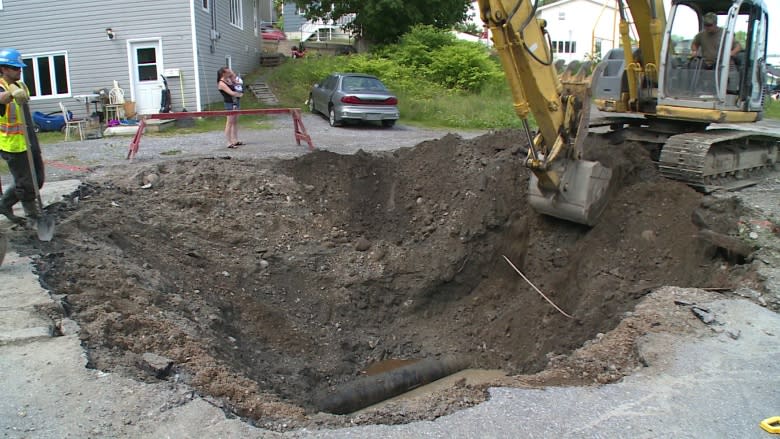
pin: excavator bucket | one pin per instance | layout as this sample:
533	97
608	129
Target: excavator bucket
576	77
581	196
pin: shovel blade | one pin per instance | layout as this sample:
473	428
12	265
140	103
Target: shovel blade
45	228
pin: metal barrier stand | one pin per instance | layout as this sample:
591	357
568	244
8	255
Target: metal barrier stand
299	134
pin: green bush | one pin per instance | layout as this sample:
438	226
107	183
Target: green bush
463	66
438	57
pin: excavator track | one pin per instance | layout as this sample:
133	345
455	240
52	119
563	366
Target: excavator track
719	159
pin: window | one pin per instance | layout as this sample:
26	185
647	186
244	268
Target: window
47	75
205	4
147	63
564	46
236	13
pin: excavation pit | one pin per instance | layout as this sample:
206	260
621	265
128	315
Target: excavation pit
269	283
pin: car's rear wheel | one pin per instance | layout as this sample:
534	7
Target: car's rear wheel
332	117
388	123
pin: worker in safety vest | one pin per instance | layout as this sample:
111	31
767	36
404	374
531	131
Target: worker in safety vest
13	146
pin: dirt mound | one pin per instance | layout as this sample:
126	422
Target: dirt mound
269	281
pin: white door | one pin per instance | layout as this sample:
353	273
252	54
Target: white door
147	84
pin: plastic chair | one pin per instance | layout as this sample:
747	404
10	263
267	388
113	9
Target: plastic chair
71	123
116	104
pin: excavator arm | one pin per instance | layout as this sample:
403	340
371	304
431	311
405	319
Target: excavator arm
649	20
562	185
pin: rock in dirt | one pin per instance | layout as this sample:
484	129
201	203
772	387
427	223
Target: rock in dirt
735	249
703	314
158	365
362	244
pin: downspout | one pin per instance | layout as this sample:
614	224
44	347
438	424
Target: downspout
195	60
213	34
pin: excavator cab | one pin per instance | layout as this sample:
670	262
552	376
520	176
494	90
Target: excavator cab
713	61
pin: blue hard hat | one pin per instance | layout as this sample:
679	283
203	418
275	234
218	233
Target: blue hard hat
11	57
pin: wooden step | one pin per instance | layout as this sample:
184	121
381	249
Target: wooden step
263	93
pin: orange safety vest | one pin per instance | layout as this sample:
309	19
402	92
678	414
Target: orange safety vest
11	134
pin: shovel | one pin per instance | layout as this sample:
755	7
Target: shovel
3	238
45	224
3	246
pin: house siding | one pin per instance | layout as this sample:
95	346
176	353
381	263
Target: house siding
239	45
292	21
94	61
267	11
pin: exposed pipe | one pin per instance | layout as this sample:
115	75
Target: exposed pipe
370	390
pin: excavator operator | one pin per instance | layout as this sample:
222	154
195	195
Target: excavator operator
706	42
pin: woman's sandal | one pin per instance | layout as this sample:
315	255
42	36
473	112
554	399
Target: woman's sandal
239	143
232	146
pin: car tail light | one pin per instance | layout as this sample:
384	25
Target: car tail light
357	101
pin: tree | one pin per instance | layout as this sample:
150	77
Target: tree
384	21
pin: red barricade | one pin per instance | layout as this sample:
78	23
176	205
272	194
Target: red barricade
300	130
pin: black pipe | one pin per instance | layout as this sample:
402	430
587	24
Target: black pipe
369	390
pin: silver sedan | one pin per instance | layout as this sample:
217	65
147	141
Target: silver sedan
354	97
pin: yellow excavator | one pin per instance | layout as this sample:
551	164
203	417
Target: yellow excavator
666	86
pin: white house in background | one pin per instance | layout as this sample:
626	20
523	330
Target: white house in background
472	17
579	28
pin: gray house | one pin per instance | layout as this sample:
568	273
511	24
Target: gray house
74	48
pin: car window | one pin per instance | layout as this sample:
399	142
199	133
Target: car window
351	83
373	84
329	83
360	83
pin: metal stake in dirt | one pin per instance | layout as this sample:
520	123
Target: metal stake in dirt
45	223
3	246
